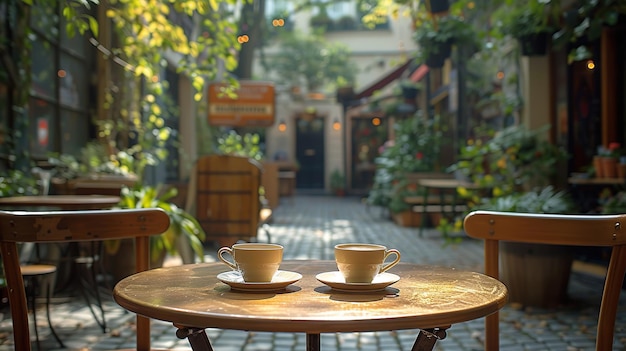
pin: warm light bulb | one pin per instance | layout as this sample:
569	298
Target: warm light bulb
376	121
282	127
336	125
591	65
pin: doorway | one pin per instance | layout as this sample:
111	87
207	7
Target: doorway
310	153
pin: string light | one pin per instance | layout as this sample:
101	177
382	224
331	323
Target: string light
243	39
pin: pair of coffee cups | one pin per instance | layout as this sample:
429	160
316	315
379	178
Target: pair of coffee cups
357	262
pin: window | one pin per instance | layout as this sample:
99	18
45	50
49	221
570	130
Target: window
61	75
274	7
341	9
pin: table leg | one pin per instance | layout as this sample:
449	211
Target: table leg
312	342
424	211
197	337
427	338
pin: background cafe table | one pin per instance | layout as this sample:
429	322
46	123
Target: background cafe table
63	202
443	187
427	298
65	256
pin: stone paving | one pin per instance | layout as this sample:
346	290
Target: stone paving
309	227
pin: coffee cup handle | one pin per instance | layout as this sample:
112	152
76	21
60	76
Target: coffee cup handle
385	267
220	255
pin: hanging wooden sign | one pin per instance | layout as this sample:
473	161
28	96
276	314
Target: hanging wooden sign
254	105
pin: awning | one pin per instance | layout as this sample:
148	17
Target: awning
419	73
416	76
384	81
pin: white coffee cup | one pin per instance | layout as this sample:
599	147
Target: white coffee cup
360	263
255	261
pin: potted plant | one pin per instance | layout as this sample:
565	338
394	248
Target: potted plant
608	159
416	148
184	236
509	161
401	211
93	165
17	183
436	36
410	89
322	21
613	203
583	23
529	23
524	265
338	182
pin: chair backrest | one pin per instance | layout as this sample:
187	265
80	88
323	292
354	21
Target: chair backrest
574	230
73	226
225	192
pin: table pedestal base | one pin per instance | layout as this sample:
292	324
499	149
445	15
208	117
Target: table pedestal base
313	342
427	338
197	337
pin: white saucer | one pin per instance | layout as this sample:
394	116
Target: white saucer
336	281
280	280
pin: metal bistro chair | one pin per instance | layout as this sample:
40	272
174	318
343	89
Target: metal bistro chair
68	226
574	230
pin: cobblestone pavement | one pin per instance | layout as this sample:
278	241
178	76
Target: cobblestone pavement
309	227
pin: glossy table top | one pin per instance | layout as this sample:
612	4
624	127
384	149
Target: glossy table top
424	297
63	202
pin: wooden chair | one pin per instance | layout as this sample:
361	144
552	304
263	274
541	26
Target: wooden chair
574	230
224	197
69	226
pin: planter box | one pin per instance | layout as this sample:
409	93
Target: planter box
435	218
407	218
536	275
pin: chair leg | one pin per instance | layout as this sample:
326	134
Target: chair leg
31	295
54	333
266	229
93	284
32	290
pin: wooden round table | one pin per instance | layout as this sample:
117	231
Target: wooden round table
426	297
63	202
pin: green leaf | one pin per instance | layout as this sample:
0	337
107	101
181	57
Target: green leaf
93	25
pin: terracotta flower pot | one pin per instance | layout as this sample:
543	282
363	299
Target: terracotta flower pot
407	218
597	165
546	268
621	170
609	167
